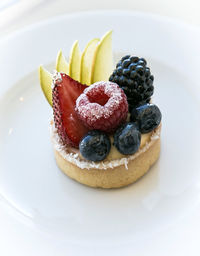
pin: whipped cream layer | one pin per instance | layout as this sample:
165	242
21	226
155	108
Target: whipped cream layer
73	155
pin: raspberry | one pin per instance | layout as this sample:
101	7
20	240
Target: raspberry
102	106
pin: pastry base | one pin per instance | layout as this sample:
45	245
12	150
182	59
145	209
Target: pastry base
116	177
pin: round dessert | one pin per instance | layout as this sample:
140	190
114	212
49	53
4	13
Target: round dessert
107	133
116	170
96	142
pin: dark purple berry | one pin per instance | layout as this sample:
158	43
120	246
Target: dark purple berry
147	116
127	139
132	72
95	146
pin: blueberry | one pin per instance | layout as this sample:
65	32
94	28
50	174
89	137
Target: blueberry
95	146
127	139
147	116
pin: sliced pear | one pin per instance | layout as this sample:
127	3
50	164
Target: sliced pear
103	60
46	82
61	63
75	62
86	61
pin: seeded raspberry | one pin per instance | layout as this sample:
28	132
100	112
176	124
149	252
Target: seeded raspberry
102	106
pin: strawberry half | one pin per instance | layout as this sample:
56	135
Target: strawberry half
65	92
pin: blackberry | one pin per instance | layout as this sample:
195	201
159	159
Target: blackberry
134	77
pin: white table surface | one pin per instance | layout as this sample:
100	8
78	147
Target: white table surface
15	14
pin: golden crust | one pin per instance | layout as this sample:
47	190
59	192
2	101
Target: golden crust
116	177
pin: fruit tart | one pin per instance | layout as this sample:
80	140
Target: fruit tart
105	130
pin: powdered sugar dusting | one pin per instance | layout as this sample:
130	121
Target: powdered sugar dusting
91	111
57	78
72	154
112	90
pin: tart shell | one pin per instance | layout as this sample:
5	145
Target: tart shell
120	174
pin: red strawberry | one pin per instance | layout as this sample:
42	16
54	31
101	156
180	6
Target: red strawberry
65	92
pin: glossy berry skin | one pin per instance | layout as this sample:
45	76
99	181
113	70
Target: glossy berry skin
95	146
147	116
134	77
127	139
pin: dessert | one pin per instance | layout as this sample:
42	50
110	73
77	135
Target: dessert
105	129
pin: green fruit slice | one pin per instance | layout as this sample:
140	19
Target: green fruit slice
75	62
87	60
61	63
45	83
103	60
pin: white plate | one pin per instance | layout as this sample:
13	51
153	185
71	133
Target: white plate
43	212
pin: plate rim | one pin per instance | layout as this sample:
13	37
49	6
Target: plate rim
82	14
